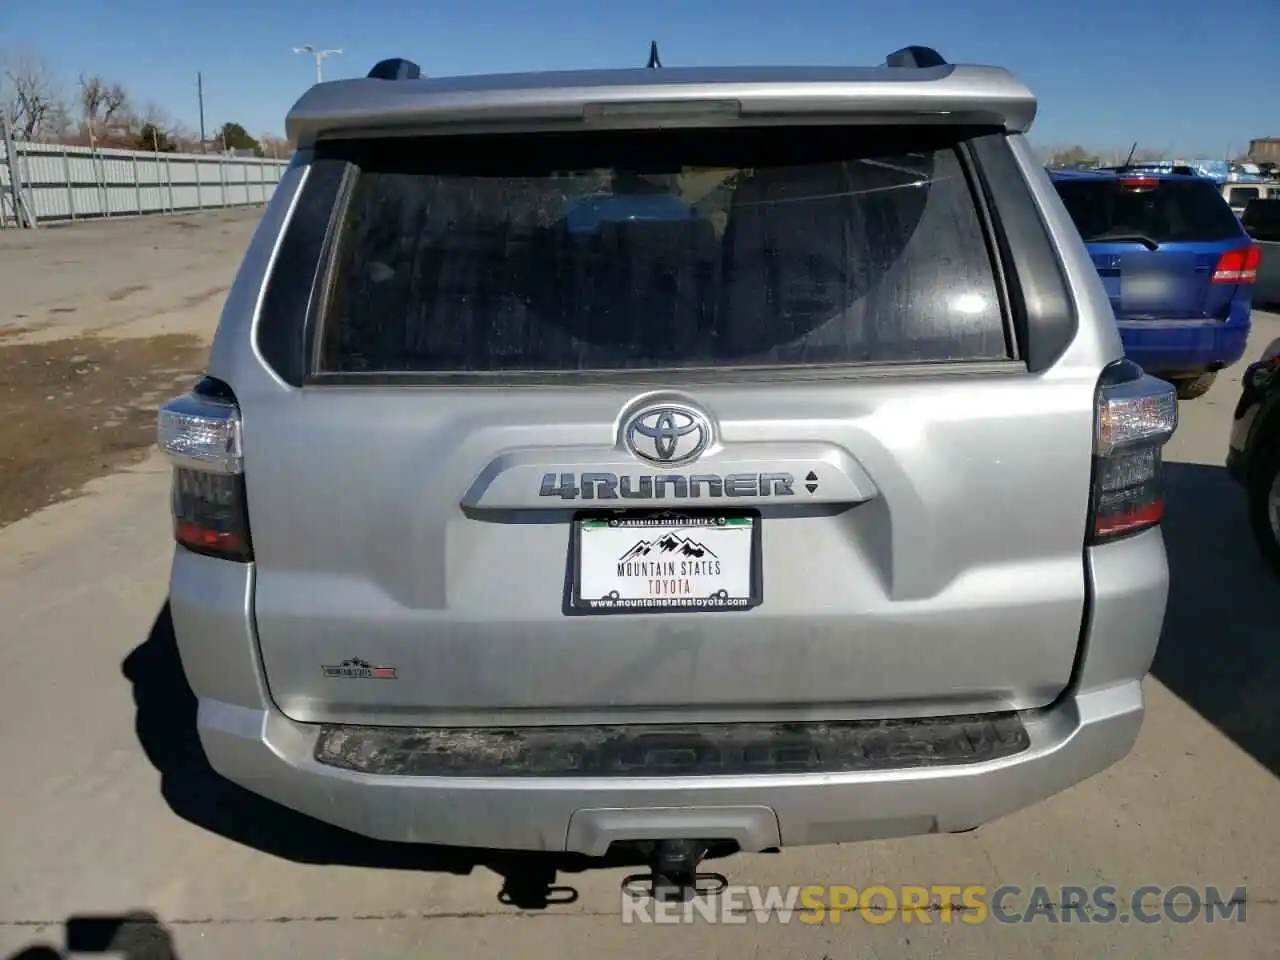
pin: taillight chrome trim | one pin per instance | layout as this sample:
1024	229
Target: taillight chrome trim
201	432
1134	413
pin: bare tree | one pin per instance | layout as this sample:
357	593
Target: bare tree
152	117
103	104
155	115
154	128
29	94
1072	156
275	146
1140	155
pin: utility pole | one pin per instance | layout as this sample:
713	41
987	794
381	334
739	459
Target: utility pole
200	94
320	56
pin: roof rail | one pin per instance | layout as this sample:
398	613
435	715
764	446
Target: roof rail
395	68
916	57
654	63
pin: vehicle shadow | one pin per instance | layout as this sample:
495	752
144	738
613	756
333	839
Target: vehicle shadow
165	725
1220	648
134	936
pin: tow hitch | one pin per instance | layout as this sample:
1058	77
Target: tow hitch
675	868
674	875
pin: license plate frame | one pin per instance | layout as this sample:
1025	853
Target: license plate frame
692	520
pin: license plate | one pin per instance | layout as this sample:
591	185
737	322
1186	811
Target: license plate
667	562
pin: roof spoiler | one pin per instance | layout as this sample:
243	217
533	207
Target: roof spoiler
914	85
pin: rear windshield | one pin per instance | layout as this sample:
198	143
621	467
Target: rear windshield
679	248
1173	211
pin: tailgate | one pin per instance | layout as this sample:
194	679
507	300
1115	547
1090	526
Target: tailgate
579	446
1168	283
1156	243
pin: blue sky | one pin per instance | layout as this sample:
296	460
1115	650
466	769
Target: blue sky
1176	74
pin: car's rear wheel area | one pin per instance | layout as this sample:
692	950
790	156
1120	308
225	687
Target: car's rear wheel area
1264	504
1192	388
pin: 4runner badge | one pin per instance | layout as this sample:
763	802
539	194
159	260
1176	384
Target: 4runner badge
357	669
672	486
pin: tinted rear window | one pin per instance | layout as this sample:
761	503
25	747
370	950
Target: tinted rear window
1175	211
1239	196
616	251
1261	219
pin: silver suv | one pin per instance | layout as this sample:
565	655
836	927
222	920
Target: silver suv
669	456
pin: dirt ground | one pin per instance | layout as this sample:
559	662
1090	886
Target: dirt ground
82	407
99	324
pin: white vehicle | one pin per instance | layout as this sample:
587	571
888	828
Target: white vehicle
1238	194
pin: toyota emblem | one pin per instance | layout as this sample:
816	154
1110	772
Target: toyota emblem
667	434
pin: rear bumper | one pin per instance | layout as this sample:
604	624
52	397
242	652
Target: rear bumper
1184	346
247	740
271	755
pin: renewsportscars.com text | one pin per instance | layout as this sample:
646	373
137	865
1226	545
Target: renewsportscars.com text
947	904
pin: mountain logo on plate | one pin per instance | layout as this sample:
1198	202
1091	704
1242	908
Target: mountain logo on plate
357	669
668	543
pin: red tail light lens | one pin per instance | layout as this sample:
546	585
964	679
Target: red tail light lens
1135	415
209	515
1238	266
200	433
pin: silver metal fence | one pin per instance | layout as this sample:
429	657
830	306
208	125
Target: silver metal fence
49	182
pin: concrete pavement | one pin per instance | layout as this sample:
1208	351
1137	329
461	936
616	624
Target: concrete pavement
109	811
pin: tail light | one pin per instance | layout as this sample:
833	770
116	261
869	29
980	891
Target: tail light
200	433
1238	266
1135	415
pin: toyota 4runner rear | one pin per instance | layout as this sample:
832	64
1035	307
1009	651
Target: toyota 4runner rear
674	456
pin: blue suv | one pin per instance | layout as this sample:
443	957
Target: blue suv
1176	262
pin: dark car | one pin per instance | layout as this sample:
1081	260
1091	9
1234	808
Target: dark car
1254	454
1177	264
1261	219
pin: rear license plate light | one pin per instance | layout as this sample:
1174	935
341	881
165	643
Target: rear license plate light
665	562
